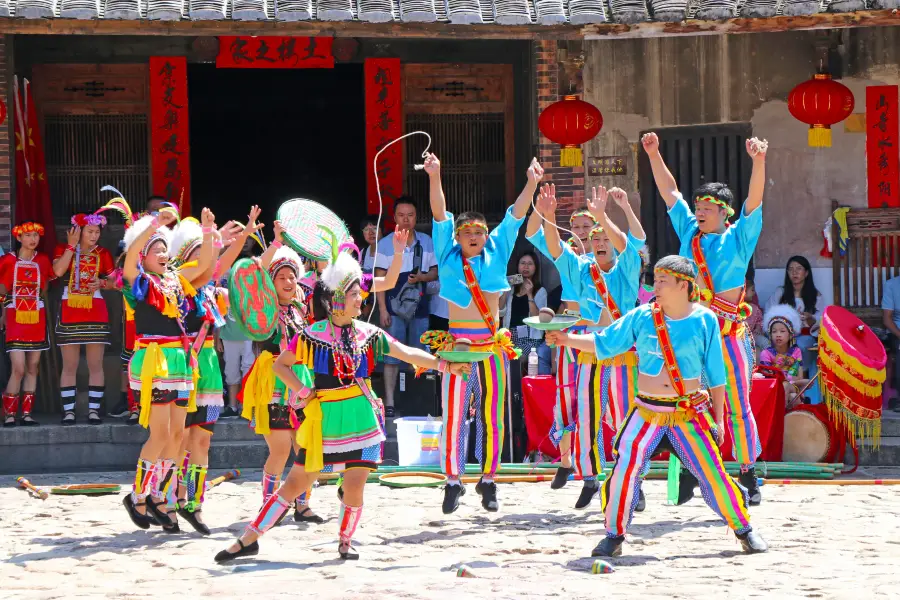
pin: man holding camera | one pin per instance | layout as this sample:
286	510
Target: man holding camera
404	309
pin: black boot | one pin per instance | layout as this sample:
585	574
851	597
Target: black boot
752	542
748	480
641	503
609	546
561	478
488	493
588	492
686	484
452	494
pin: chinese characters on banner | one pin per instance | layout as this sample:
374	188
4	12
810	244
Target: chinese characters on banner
247	52
170	147
383	125
882	151
607	165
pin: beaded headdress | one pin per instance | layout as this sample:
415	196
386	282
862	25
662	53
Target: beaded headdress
186	237
595	233
285	257
28	227
163	234
340	274
785	314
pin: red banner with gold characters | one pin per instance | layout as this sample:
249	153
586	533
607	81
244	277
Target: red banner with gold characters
882	150
384	123
170	146
246	52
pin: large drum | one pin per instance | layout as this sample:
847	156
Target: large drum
810	436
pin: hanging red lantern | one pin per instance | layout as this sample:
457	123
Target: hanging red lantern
820	103
570	122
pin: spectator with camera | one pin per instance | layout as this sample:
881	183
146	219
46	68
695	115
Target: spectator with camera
526	299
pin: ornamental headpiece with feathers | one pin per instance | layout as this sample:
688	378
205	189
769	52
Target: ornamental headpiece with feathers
186	237
132	231
286	257
785	314
163	234
343	270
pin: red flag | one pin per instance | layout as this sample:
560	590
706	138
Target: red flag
42	209
24	194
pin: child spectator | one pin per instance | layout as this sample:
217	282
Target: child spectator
782	324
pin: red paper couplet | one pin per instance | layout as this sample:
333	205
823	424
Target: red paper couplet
245	52
882	151
169	130
384	123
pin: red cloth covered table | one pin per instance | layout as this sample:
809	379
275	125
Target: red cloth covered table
766	402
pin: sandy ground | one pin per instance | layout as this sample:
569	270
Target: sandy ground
826	542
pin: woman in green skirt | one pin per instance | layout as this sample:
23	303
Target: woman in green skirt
327	367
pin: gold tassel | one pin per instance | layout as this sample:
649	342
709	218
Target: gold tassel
857	428
80	301
626	359
27	317
819	137
666	419
570	157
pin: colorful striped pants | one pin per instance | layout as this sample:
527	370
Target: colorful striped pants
565	410
739	358
694	442
486	390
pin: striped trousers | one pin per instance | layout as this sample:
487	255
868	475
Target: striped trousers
565	410
739	358
484	394
694	442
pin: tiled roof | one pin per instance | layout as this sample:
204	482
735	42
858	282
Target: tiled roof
454	12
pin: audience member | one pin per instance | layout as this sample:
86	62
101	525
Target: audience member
525	300
799	290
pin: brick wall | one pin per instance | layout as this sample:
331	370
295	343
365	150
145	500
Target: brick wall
569	181
6	150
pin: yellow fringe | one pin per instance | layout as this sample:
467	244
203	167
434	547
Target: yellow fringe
309	436
27	317
80	301
849	376
258	392
853	365
666	419
626	359
570	157
819	137
858	428
154	365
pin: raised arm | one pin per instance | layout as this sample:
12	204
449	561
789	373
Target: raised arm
665	183
420	358
266	259
435	189
131	268
195	274
61	264
546	205
535	174
388	278
226	260
597	205
634	223
756	148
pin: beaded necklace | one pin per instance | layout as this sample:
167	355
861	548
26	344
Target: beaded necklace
347	356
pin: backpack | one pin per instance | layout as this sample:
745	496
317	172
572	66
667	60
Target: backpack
406	302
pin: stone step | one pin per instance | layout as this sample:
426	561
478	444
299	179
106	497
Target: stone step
887	454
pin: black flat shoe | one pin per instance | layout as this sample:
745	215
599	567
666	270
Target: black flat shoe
191	517
609	546
488	493
161	517
641	503
10	421
139	520
300	516
753	543
225	555
686	484
68	418
28	421
94	418
561	478
588	492
452	494
349	554
133	419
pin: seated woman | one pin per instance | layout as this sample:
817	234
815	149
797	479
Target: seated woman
799	290
525	300
326	368
781	323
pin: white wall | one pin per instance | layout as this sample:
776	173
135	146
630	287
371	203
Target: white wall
769	279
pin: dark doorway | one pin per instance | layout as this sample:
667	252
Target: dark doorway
695	155
263	136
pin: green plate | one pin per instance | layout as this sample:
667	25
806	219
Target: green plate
558	323
464	357
412	479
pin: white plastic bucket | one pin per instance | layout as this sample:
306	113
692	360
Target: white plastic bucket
418	441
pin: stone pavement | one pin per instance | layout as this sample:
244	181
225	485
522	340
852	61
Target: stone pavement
826	542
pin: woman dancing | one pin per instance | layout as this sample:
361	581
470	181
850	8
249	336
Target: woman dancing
161	371
327	367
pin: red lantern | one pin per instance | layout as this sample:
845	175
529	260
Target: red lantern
820	103
570	122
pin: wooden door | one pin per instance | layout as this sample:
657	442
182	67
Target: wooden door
468	111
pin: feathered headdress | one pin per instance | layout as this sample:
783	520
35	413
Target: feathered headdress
186	237
285	257
342	271
142	225
785	314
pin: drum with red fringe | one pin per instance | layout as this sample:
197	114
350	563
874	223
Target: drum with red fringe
852	371
810	435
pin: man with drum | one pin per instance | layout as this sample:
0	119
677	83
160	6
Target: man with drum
722	252
677	340
472	272
604	282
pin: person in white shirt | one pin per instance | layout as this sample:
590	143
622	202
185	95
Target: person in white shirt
404	312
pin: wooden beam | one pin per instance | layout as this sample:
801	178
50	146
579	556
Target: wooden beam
298	28
692	27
